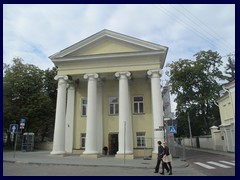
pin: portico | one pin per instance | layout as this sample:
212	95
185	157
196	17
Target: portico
109	84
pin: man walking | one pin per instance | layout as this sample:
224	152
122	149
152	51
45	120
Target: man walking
160	155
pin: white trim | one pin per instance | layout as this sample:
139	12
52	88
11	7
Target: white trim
108	55
81	138
138	113
110	34
142	138
82	99
98	67
114	106
225	125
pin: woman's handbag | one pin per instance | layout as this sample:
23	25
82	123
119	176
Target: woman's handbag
167	159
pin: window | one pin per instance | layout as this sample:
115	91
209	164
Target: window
83	140
84	106
141	140
113	105
138	104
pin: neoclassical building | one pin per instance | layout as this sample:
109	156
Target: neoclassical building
109	95
224	135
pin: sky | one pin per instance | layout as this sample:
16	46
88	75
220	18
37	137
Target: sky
33	32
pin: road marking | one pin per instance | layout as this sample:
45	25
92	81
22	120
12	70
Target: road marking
204	165
218	164
229	163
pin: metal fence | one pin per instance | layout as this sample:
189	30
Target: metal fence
176	146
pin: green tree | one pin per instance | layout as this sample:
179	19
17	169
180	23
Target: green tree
27	95
230	68
196	86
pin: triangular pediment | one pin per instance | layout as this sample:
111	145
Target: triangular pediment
107	45
107	42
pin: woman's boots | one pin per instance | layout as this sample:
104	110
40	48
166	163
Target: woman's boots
169	169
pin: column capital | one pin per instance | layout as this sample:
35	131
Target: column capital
71	86
123	74
155	73
64	77
91	76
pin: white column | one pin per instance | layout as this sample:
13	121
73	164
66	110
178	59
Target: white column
91	130
124	115
69	118
157	107
59	129
100	119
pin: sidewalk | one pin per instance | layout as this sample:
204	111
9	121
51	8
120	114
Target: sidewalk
44	157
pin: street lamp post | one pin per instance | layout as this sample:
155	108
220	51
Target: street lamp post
189	125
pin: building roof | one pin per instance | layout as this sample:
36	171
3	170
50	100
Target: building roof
78	51
230	84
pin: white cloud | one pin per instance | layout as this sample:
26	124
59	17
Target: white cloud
51	28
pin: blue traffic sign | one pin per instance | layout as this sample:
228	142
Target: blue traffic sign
22	121
172	129
13	128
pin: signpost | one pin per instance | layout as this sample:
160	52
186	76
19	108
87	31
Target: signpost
172	129
22	123
13	128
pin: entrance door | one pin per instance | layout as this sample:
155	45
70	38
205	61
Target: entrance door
113	143
229	140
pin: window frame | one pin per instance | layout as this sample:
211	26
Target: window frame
142	139
115	109
138	105
83	138
83	105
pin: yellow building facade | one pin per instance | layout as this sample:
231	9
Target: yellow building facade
227	114
109	95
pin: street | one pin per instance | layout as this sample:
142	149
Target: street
211	164
41	163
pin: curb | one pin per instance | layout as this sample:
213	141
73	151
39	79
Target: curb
93	165
88	165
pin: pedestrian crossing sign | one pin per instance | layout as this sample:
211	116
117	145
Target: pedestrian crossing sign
173	129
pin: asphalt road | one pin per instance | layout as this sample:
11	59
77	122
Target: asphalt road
211	164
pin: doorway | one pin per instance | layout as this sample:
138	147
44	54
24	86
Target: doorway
113	143
229	140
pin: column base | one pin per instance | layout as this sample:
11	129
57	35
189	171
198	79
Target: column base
127	156
58	153
154	156
89	155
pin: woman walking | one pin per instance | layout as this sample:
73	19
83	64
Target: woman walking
167	159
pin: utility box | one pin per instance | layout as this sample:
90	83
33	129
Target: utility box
28	141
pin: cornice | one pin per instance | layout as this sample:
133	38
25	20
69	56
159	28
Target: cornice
105	56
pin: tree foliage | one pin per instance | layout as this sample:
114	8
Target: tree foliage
196	85
29	93
230	68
